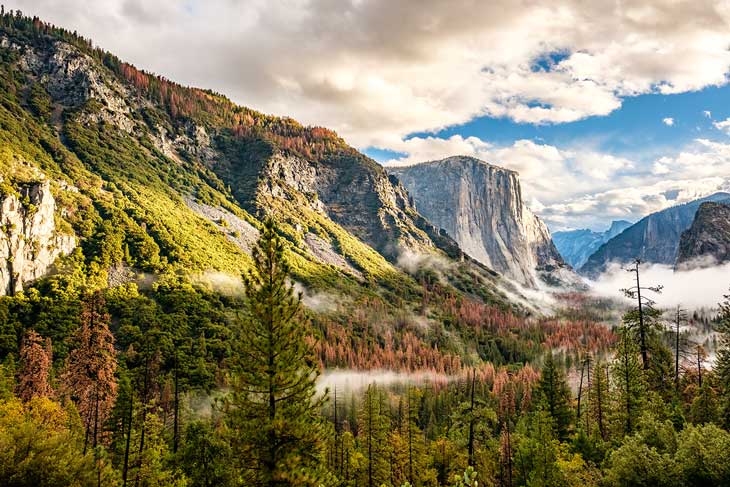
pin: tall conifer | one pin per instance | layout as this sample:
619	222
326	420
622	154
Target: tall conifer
273	412
89	378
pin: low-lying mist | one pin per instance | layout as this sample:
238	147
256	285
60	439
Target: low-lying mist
692	289
356	380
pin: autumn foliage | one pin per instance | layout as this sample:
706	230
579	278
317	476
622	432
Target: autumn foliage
35	367
89	375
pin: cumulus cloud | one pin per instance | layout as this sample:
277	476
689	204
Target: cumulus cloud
576	188
669	121
723	125
378	70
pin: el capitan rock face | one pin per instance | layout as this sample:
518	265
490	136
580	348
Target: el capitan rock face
480	206
707	240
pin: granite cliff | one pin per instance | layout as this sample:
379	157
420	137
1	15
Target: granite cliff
707	241
480	206
653	239
29	242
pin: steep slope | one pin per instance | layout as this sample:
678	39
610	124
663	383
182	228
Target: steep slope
160	144
707	241
481	207
653	239
577	245
162	190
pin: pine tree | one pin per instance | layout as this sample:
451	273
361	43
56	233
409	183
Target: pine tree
538	451
628	380
272	412
722	363
151	468
89	378
35	367
704	406
554	397
599	400
373	437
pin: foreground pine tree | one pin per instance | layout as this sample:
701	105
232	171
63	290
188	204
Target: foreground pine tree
554	397
272	413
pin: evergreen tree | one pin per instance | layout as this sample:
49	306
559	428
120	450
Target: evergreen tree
628	381
599	400
554	397
722	362
152	465
35	367
205	456
537	452
373	438
272	413
89	378
704	407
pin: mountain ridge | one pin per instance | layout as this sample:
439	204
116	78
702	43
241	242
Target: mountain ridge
576	246
164	189
653	239
707	241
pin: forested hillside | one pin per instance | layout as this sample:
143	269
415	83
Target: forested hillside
180	270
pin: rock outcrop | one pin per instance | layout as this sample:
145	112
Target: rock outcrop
29	242
577	245
653	239
707	241
480	206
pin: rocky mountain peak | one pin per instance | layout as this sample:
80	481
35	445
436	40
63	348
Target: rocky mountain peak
480	205
707	240
653	239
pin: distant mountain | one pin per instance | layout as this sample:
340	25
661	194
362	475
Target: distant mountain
654	238
480	206
577	245
707	241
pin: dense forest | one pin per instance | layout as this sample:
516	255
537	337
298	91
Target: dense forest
132	414
164	378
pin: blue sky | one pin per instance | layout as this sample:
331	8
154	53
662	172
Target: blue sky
571	94
635	130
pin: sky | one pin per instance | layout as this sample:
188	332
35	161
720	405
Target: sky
608	110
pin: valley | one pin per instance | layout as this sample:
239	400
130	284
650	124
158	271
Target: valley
187	283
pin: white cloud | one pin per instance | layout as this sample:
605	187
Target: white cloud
668	121
573	188
378	70
723	125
